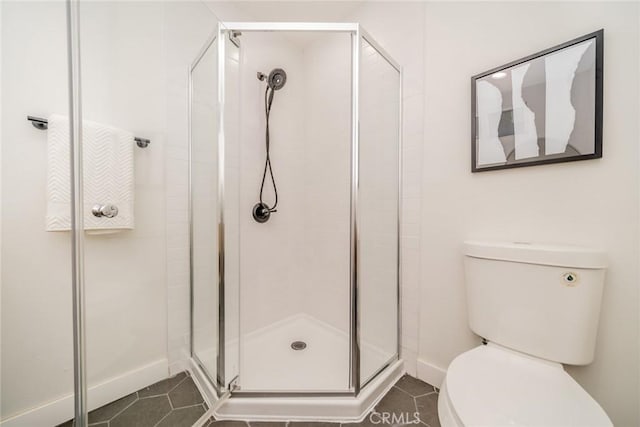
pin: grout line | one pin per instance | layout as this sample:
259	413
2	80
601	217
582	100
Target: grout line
166	379
125	408
426	394
408	394
160	420
188	406
174	387
153	395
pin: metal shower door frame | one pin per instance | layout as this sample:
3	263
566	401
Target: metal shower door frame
81	417
357	34
215	381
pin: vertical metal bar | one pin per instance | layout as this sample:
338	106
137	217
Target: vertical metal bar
190	207
355	135
399	230
221	241
77	211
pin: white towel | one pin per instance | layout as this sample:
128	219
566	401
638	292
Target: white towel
108	175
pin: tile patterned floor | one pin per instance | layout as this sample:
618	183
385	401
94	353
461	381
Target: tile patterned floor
176	402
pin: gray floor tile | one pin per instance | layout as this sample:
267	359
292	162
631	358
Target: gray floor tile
106	424
183	417
396	402
428	408
413	386
162	387
143	413
106	412
66	424
185	394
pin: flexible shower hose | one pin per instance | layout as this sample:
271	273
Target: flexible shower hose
268	100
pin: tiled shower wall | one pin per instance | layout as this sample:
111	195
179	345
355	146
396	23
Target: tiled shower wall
271	263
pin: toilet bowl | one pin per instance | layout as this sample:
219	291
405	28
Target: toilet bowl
494	386
537	307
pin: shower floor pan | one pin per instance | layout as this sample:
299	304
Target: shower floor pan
269	364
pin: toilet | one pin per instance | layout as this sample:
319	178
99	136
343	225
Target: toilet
536	308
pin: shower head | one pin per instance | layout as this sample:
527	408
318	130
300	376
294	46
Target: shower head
277	78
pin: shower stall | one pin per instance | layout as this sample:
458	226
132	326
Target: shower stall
138	279
294	307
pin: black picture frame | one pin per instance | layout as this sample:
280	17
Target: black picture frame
598	36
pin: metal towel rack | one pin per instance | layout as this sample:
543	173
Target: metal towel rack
43	124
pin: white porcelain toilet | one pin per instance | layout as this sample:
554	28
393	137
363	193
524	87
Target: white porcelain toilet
537	307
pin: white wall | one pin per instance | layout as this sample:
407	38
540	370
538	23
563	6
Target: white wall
123	84
592	203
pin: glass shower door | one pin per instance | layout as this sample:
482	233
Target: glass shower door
213	206
378	209
36	329
205	218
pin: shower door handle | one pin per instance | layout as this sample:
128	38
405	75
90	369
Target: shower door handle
106	211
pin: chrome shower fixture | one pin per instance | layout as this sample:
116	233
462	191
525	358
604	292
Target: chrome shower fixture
276	78
262	212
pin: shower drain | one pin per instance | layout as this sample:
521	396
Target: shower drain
298	345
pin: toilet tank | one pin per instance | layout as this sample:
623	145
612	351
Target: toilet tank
543	300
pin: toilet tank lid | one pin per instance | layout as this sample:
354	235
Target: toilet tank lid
536	253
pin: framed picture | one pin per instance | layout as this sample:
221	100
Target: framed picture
545	108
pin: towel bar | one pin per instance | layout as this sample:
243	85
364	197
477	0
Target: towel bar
43	124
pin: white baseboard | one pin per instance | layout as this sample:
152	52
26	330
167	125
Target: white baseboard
61	410
178	366
430	373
